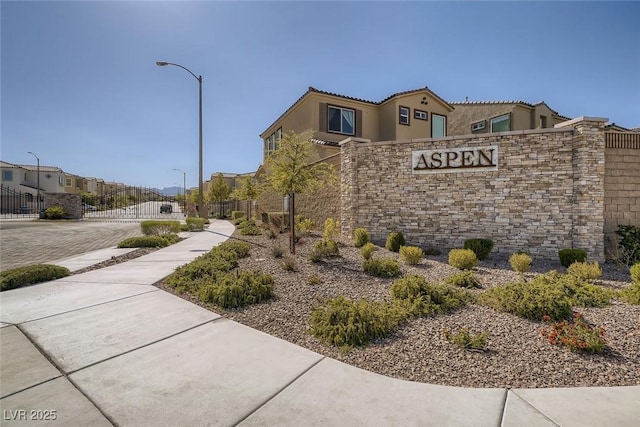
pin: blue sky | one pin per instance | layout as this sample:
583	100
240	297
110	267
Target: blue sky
80	87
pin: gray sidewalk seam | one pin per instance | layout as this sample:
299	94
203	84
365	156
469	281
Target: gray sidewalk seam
269	399
147	345
89	306
504	407
535	409
62	375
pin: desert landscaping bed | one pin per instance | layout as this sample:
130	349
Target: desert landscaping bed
517	356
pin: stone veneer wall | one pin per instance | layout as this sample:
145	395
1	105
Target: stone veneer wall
318	206
547	194
70	202
621	185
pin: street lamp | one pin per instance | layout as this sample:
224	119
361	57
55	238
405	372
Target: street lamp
38	160
184	190
201	208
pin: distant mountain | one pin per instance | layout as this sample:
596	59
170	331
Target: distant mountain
171	191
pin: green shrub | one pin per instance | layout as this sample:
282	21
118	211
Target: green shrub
464	279
411	254
240	249
343	322
324	249
463	338
55	212
530	300
289	264
31	274
237	215
481	247
585	270
331	230
238	289
634	271
432	251
569	256
381	267
360	237
304	226
394	241
520	262
629	243
631	294
579	292
420	298
367	250
155	227
184	227
577	335
250	230
462	259
195	224
144	242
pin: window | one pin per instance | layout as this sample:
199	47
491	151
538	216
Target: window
67	182
501	123
543	122
420	115
404	115
341	120
438	126
272	142
478	126
7	175
60	180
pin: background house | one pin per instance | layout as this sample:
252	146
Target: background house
476	117
416	113
24	178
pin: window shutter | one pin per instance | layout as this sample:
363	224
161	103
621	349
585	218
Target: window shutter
322	122
359	123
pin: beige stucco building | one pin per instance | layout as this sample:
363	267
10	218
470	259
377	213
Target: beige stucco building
478	117
418	113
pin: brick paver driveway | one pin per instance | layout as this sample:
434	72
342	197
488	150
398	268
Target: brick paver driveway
24	242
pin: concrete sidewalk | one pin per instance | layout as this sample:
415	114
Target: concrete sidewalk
107	348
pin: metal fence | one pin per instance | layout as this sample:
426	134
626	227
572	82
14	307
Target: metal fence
16	203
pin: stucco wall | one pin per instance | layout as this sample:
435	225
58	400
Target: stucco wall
547	194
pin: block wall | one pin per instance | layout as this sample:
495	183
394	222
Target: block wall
547	194
621	186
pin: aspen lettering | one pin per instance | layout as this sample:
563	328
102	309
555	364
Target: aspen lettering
462	158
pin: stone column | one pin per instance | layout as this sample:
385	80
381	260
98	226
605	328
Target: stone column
588	185
349	186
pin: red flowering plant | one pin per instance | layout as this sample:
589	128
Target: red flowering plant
577	335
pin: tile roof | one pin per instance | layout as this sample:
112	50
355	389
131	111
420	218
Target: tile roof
518	102
351	98
43	168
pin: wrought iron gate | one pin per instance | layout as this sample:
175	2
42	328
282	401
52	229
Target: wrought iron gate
130	202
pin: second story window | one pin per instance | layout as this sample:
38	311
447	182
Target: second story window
438	126
272	143
420	115
404	115
7	175
501	123
341	120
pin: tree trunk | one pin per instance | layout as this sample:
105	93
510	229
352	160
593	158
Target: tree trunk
292	224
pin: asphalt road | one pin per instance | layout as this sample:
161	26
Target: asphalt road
25	242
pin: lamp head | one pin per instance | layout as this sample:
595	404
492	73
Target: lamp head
161	63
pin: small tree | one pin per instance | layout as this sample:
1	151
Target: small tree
290	171
219	190
248	190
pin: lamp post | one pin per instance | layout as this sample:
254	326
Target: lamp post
38	179
184	190
201	208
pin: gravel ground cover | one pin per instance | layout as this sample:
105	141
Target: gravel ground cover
517	355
